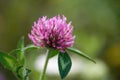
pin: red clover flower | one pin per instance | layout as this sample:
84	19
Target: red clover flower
52	32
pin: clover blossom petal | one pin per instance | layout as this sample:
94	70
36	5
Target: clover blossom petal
53	32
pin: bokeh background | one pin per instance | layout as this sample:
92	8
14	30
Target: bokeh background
96	26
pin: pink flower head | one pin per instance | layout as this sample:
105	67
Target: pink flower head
53	33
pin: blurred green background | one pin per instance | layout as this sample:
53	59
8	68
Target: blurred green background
96	26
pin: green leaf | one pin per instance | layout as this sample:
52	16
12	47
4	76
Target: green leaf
21	43
22	72
26	74
20	55
8	61
52	53
64	64
80	53
19	71
30	47
15	51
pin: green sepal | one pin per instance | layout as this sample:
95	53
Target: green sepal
53	52
81	54
8	61
64	64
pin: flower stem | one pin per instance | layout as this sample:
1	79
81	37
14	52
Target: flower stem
45	66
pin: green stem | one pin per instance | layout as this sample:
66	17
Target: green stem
45	66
